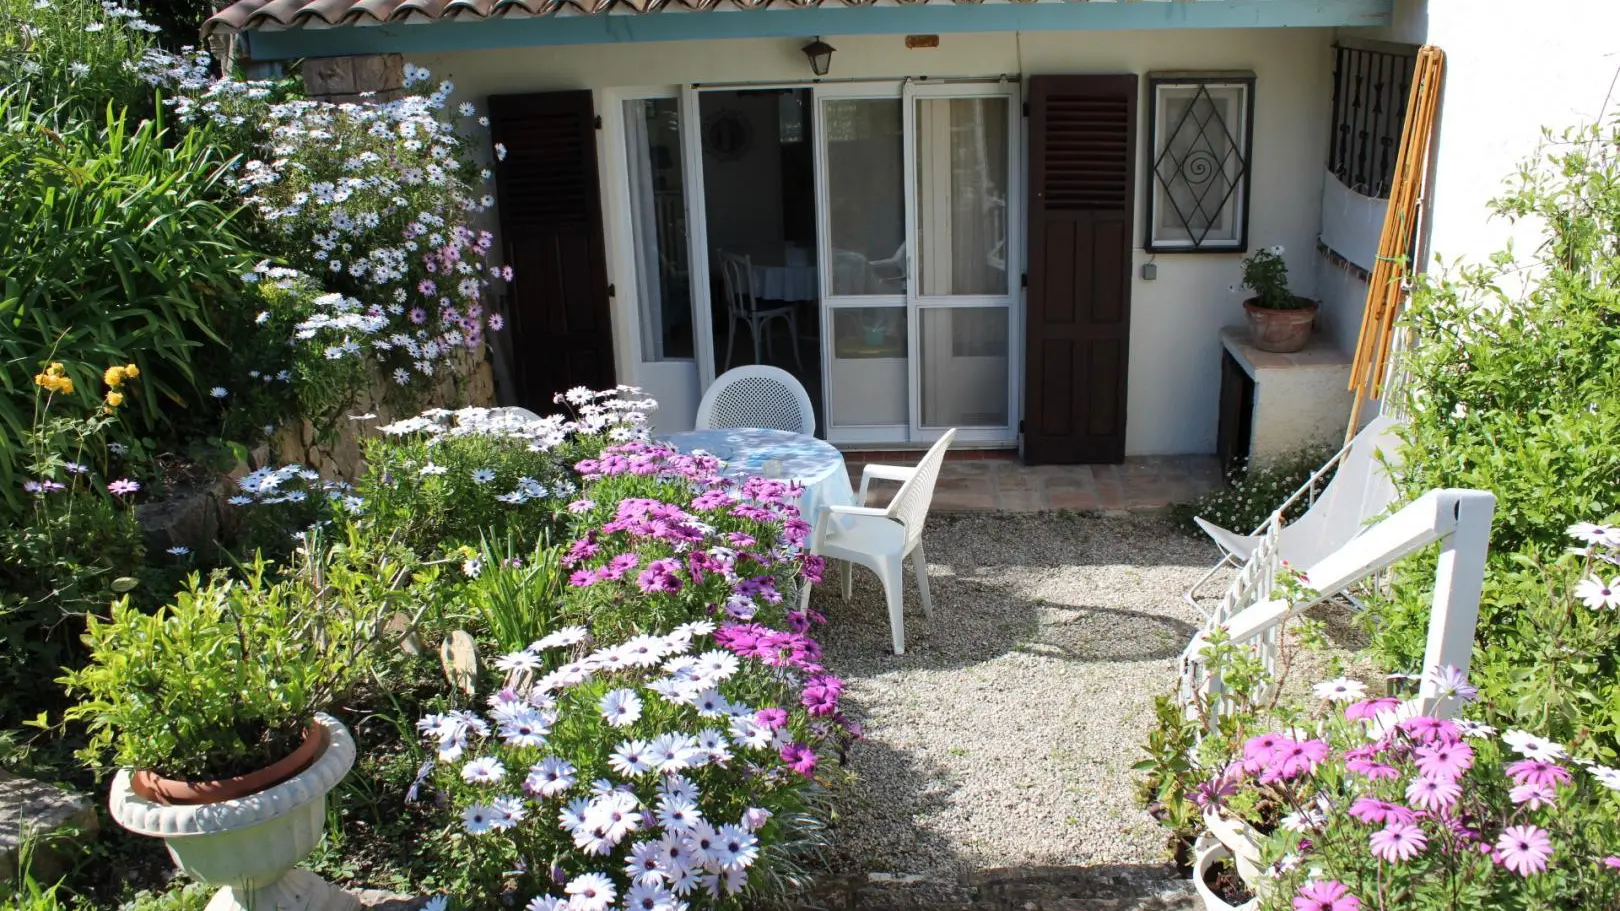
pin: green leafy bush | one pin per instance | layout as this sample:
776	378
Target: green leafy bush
1515	388
444	480
1253	492
118	251
225	679
74	58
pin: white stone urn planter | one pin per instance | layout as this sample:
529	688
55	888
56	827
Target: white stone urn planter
1207	853
1242	842
251	847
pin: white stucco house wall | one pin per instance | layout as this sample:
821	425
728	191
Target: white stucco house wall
991	216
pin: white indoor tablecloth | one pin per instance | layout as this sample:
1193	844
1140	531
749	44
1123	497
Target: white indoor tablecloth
815	464
783	283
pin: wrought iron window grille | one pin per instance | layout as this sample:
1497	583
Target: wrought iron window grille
1200	164
1370	91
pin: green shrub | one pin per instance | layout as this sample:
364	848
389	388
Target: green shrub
74	58
436	487
1253	493
224	680
1515	388
118	252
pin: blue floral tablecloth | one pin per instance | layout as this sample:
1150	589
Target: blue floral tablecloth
748	451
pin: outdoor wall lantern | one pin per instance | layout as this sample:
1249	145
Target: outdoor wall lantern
820	54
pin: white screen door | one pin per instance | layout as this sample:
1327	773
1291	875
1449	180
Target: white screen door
861	212
962	222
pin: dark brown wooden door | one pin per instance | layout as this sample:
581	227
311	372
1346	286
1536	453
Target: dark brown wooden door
551	228
1082	162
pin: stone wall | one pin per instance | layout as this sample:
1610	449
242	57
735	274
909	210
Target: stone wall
338	456
374	77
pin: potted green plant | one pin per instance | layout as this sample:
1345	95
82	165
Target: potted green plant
1279	319
211	708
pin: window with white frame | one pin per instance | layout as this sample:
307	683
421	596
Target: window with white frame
1200	135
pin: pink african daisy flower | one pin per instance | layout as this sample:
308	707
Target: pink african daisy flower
1534	771
1533	795
1259	751
1428	729
1432	793
1370	708
1612	862
1325	895
1398	841
1373	811
1524	849
1368	768
1447	761
1294	759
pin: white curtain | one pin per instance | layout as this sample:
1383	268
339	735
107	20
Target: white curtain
962	195
644	217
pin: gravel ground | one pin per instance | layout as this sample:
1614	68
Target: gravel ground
1005	736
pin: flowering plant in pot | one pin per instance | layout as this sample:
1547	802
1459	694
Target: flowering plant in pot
211	707
1279	319
1390	807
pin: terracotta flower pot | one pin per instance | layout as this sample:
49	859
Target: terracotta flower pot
251	846
1280	331
177	792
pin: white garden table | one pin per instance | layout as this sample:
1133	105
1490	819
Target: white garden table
780	454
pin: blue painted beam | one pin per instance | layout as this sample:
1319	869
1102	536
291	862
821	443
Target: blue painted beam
935	18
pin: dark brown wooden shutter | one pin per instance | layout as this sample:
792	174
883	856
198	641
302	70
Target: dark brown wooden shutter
1082	162
551	229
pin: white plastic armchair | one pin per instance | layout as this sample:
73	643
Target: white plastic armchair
1359	491
880	539
757	396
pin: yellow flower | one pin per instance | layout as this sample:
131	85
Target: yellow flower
115	399
41	379
114	376
131	371
64	385
54	368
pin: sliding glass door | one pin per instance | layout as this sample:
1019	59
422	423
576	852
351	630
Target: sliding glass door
862	236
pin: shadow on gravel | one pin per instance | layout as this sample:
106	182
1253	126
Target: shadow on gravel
996	771
1099	887
1059	585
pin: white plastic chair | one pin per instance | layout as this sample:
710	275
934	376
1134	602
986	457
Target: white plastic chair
757	396
737	276
1360	490
881	539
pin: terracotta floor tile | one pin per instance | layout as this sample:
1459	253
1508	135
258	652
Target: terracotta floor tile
1022	501
1073	500
999	483
958	501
